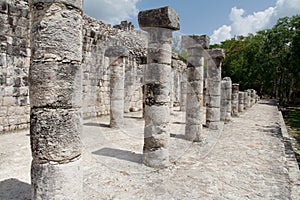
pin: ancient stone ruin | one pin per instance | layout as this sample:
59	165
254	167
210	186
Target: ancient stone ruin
159	23
214	79
73	67
56	99
196	49
117	60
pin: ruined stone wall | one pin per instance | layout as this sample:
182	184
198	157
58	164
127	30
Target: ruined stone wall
14	64
97	36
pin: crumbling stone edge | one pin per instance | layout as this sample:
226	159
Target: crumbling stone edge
291	161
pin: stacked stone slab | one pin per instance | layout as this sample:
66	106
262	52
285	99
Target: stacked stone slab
235	100
253	97
117	56
55	97
247	99
214	88
159	23
226	93
196	46
241	101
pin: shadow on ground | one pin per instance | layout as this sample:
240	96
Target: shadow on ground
178	136
270	102
13	189
120	154
97	125
134	117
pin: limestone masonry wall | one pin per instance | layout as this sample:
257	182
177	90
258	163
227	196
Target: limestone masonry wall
14	65
97	36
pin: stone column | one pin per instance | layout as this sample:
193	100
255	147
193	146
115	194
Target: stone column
247	99
129	82
235	100
252	97
159	23
55	79
226	99
183	91
214	88
172	94
117	59
241	102
196	46
176	87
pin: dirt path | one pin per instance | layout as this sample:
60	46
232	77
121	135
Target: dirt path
246	160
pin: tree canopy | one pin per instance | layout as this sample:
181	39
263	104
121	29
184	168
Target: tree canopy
268	61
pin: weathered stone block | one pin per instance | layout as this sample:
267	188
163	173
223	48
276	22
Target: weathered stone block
116	51
72	3
55	84
156	159
191	41
217	54
194	73
3	111
57	181
54	33
53	142
193	117
157	94
9	101
214	88
193	132
195	88
157	115
164	17
157	73
159	53
213	114
196	60
214	74
214	101
214	125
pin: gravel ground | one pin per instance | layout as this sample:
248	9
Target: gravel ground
250	158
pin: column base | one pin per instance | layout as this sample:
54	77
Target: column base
214	125
193	132
157	159
57	181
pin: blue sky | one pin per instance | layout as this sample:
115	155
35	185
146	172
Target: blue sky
220	19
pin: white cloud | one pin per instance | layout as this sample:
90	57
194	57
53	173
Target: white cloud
221	34
111	11
243	25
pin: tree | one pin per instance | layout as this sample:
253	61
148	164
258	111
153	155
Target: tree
268	61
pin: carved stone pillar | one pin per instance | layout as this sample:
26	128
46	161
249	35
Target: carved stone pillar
241	101
226	94
117	59
55	99
159	23
253	97
247	99
196	46
214	88
235	100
